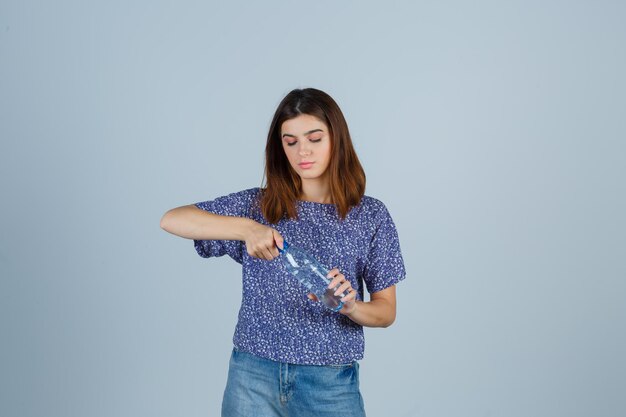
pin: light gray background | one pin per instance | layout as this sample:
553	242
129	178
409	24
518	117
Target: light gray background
493	131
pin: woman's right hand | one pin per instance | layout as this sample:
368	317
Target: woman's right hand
262	241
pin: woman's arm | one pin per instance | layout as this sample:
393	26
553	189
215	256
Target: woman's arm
380	311
193	223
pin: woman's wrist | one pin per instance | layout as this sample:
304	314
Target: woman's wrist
352	310
243	227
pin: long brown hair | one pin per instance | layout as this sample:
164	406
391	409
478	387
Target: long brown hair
284	186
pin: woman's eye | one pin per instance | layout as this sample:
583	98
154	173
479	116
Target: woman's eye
310	140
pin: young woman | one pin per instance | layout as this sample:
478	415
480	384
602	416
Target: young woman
292	356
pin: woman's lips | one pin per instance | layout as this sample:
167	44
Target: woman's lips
306	165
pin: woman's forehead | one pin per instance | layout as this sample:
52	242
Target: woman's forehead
302	124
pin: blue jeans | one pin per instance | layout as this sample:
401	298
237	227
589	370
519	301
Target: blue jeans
259	387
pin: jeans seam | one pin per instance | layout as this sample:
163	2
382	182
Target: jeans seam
340	366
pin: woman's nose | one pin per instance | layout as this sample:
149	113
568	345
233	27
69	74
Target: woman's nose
304	150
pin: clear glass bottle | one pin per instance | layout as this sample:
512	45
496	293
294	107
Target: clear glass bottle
311	274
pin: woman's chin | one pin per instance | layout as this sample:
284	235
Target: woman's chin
309	176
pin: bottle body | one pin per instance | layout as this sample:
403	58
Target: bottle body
311	274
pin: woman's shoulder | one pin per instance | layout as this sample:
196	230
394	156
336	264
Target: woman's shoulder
243	198
370	209
246	194
254	191
372	204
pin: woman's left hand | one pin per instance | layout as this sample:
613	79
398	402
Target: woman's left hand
349	301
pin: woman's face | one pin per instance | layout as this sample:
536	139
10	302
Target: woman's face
306	141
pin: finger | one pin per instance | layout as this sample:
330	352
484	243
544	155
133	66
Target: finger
267	254
258	253
351	296
343	287
312	297
333	272
278	239
338	279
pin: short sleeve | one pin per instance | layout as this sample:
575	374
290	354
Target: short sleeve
237	204
384	266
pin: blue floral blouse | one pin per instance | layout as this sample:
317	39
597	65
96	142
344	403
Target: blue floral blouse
276	319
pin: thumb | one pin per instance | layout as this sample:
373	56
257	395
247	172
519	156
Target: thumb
278	239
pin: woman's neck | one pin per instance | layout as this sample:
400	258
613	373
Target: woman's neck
316	191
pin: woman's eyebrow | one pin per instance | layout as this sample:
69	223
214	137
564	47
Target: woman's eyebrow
305	133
